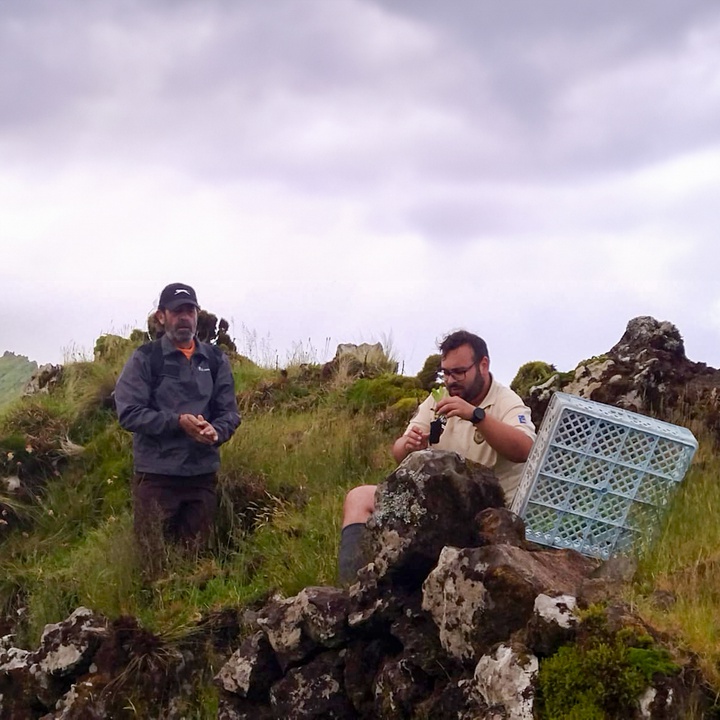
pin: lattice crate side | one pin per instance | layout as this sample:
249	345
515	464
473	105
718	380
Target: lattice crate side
600	539
628	455
536	457
543	451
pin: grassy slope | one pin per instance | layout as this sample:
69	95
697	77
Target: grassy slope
302	444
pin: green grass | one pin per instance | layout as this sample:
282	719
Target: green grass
282	483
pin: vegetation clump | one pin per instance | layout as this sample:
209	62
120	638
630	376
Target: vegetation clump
602	675
382	391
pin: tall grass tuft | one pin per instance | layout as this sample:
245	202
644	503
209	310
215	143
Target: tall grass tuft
678	579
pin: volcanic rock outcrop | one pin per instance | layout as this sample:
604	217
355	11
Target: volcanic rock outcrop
646	371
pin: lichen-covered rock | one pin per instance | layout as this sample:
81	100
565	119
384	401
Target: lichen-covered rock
667	699
430	501
500	526
365	360
296	626
68	645
324	611
314	690
418	637
83	701
370	599
42	678
363	659
506	678
552	624
236	708
12	658
399	687
251	670
458	700
44	379
480	596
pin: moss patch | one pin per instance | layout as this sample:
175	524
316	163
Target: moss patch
601	676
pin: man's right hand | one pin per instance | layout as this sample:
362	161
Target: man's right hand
414	440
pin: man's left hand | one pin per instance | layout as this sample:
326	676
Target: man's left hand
454	406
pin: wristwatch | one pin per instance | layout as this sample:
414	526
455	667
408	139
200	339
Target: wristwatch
477	416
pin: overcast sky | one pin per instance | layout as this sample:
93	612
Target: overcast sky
326	171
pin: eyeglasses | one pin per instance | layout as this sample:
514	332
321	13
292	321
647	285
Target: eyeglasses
456	373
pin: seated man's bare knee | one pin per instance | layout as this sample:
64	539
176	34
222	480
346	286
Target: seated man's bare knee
359	504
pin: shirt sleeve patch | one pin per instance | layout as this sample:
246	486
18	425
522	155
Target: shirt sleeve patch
522	419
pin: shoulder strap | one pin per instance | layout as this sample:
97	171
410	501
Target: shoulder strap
154	350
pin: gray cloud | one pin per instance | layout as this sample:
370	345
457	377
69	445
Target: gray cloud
546	141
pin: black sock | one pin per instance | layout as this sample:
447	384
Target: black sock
350	555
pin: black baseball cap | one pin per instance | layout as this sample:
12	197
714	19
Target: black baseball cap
175	295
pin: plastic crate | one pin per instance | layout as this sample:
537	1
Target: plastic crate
598	476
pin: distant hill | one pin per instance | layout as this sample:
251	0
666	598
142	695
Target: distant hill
15	371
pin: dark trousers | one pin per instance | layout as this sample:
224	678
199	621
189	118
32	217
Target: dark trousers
173	508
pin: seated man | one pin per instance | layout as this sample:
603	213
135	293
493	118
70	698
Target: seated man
486	422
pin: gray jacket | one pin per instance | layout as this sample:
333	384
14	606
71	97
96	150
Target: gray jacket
152	414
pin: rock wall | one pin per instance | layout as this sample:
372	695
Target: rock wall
460	637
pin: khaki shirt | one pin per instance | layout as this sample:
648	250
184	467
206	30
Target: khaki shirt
466	439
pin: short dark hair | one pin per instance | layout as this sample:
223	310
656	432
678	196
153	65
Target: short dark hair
462	337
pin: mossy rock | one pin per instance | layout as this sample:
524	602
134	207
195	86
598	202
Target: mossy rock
401	412
382	392
601	676
113	349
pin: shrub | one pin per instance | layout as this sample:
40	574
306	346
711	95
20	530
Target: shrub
531	374
428	376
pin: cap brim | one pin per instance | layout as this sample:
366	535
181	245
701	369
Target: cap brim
175	304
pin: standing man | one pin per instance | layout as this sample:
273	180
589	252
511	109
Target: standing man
177	396
486	422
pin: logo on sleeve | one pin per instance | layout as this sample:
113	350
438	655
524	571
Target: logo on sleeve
522	420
